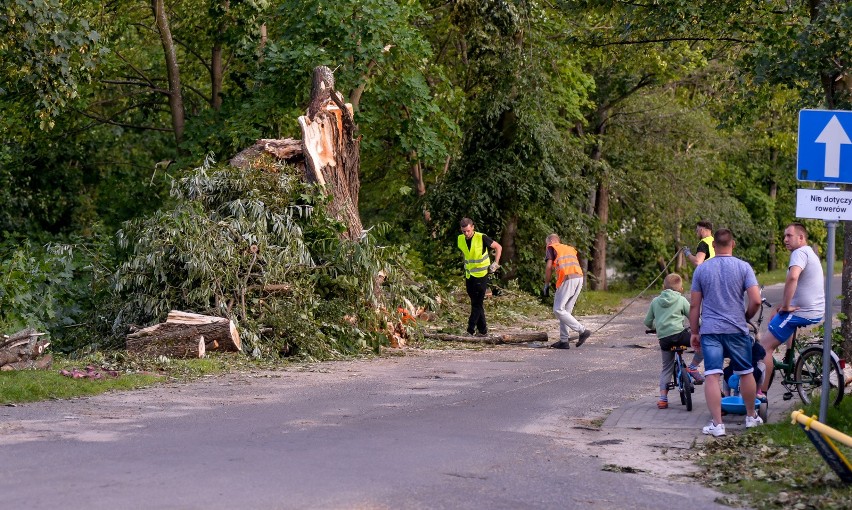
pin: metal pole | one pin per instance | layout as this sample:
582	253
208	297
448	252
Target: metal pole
826	341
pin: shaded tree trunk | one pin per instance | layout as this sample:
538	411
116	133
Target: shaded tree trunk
172	69
596	274
216	73
598	255
416	171
772	262
510	250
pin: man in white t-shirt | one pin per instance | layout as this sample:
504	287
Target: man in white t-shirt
803	303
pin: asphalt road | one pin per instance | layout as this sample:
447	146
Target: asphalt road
481	429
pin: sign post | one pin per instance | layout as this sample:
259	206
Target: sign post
825	155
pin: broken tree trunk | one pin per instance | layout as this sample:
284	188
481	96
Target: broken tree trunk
329	152
22	350
504	338
332	150
179	335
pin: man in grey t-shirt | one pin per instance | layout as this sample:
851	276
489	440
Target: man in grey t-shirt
718	286
803	303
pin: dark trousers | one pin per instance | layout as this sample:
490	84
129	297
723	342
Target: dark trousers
476	288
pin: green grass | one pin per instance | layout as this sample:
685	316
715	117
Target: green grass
34	385
776	466
19	386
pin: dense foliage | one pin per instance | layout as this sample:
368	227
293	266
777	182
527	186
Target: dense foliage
615	124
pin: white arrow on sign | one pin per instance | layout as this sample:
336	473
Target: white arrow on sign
833	136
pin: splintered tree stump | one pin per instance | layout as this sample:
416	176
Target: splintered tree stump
333	150
185	334
503	338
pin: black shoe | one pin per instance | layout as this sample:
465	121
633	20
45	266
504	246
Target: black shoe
561	345
583	336
481	334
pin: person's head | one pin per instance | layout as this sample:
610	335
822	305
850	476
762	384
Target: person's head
723	241
466	225
673	282
703	229
552	239
795	236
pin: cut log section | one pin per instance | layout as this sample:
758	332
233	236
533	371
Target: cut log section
181	334
172	340
221	333
504	338
22	350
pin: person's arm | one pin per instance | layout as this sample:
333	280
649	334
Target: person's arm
649	317
548	270
790	286
694	315
498	250
754	304
697	258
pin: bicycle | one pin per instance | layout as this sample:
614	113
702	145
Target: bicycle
801	367
680	377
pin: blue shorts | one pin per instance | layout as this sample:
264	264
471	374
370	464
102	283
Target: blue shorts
784	324
736	346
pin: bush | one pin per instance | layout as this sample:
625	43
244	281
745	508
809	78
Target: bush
54	289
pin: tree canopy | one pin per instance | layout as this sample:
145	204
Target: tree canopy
617	125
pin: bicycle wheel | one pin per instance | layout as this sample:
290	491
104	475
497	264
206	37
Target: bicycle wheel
685	388
808	377
676	383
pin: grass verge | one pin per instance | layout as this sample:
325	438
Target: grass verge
118	371
777	467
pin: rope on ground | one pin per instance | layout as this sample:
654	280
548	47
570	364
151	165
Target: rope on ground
640	294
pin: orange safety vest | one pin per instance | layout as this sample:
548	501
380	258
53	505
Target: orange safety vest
567	265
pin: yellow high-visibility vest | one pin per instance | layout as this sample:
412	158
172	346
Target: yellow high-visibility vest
476	259
709	241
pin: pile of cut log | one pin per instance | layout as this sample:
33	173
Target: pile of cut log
185	335
24	349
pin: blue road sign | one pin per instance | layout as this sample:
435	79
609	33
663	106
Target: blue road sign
825	149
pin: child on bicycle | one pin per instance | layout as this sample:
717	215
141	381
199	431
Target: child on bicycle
667	314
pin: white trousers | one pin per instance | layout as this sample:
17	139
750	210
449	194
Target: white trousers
563	304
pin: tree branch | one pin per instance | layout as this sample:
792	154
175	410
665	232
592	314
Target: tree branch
104	120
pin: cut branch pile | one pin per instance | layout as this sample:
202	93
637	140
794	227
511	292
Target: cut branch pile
185	335
24	349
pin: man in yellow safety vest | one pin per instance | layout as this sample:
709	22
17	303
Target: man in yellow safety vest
477	265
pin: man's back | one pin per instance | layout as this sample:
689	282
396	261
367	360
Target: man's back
722	281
